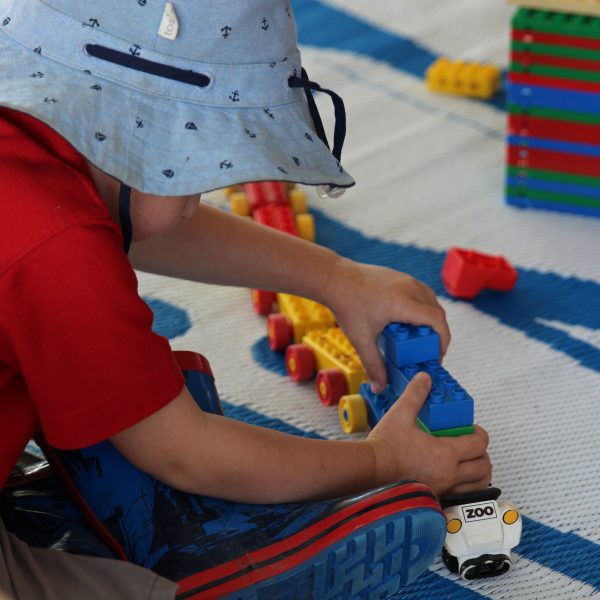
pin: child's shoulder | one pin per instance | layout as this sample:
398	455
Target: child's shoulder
46	187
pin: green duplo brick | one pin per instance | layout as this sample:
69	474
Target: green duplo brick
557	22
454	432
556	50
548	71
554	197
554	176
559	115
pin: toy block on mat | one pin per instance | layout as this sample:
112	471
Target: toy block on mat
560	23
584	7
447	406
466	272
405	344
296	317
525	125
448	409
333	350
454	432
462	78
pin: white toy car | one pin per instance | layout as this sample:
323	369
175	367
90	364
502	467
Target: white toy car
480	533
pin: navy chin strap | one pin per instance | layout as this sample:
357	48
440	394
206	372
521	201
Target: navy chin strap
125	215
339	132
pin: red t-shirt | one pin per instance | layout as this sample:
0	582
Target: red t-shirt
78	357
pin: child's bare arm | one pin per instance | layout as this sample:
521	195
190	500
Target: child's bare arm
217	247
212	455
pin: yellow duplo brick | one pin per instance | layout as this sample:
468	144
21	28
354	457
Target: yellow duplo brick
463	78
332	350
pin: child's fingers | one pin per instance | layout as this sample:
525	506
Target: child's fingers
475	471
374	368
421	313
413	397
471	446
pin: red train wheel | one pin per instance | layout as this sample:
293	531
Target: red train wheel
263	301
280	331
331	386
300	362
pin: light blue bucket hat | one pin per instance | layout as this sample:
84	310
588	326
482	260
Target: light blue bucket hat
171	98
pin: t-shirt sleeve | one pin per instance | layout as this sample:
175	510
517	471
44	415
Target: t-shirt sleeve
83	340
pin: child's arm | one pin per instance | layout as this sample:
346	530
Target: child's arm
217	247
216	456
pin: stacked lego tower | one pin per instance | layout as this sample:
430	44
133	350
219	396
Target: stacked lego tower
553	158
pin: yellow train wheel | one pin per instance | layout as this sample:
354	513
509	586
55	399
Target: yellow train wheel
353	413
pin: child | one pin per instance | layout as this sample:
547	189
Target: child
125	112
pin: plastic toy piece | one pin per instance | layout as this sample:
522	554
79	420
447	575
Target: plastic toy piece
466	272
463	78
536	96
408	344
531	57
555	83
526	125
481	532
584	7
277	216
339	370
448	405
303	315
331	386
452	432
280	331
353	413
537	158
300	362
274	204
558	23
263	301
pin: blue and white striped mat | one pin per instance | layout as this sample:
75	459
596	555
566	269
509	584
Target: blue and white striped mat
430	173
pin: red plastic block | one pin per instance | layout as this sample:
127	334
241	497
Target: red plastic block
563	162
554	82
533	58
528	126
277	216
466	272
265	192
538	37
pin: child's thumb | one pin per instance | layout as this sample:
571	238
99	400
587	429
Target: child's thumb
415	394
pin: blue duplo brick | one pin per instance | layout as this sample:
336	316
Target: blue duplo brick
404	344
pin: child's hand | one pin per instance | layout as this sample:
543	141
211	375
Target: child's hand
365	298
403	451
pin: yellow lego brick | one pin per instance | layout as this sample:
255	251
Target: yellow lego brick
582	7
462	78
333	351
304	314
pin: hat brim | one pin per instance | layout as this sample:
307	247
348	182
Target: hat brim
166	146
